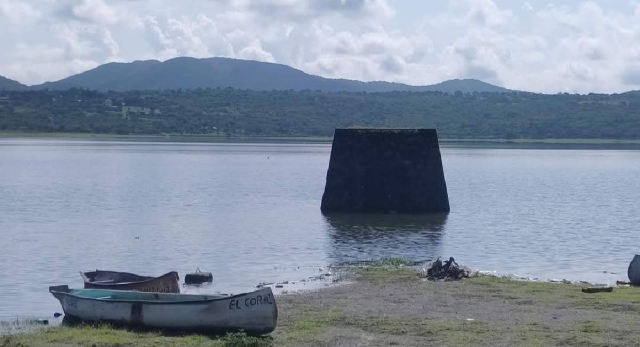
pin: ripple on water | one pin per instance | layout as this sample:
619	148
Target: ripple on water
152	208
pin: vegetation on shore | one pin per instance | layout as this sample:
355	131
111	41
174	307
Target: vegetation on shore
243	113
191	138
107	336
390	305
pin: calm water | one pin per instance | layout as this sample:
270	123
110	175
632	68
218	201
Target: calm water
250	213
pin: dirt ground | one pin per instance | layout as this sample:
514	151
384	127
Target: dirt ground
386	307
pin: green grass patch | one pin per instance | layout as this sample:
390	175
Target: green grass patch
107	336
415	326
309	323
394	261
534	335
555	294
386	274
591	327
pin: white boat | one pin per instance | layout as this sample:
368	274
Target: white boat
634	271
254	313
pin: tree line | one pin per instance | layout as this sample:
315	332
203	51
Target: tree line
228	112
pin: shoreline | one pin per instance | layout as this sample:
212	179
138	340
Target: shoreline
293	139
391	305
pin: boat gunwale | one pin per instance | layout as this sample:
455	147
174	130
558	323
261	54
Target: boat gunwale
53	291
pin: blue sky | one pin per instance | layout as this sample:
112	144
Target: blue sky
545	46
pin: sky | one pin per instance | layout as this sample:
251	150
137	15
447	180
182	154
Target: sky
546	46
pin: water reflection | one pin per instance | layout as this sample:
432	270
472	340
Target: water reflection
365	237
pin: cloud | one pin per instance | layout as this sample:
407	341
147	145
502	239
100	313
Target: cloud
255	52
18	12
305	9
368	54
45	63
631	75
201	37
587	47
483	13
92	11
86	41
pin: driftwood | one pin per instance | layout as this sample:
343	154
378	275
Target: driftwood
448	270
591	290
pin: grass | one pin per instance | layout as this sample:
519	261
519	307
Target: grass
312	323
385	274
621	299
337	317
394	261
107	336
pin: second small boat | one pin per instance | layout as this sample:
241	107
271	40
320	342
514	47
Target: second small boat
114	280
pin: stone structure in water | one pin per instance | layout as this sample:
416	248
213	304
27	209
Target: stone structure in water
385	171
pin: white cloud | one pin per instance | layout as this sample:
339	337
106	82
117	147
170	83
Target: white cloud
483	13
93	11
18	12
585	47
45	63
368	54
255	52
305	9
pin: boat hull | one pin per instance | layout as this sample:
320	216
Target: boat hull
254	313
112	280
634	271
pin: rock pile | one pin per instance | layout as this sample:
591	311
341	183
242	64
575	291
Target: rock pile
446	271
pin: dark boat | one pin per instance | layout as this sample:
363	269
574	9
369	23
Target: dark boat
113	280
634	271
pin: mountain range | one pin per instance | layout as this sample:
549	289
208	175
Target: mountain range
192	73
8	84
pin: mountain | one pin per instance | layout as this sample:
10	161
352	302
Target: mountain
191	73
7	84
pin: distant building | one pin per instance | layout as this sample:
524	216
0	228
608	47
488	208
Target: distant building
136	109
126	110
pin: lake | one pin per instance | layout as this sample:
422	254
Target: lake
250	213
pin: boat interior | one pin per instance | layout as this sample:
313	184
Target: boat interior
118	295
107	277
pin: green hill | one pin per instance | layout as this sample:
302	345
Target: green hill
192	73
8	84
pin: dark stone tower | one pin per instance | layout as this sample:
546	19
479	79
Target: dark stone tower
385	171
